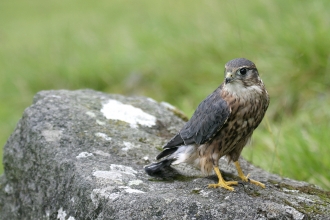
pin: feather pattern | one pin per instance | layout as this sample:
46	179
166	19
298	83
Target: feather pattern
209	117
223	123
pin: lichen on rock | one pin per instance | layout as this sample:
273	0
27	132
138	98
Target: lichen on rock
78	155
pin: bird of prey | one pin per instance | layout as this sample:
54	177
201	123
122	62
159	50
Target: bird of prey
222	125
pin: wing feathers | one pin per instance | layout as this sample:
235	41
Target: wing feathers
209	117
175	141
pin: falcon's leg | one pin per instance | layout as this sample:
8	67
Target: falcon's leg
222	182
246	178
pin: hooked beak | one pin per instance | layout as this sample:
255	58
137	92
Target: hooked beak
229	77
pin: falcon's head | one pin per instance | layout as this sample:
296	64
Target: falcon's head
241	72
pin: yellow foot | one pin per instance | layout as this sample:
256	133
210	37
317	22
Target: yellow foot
222	183
246	178
226	185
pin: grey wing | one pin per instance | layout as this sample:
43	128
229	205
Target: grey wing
209	117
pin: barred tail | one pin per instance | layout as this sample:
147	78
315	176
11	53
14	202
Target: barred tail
176	155
155	168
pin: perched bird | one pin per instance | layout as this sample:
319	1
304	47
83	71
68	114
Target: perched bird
222	125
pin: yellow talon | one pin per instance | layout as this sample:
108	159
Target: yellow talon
222	183
246	178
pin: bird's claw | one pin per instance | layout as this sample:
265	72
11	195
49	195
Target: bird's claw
247	179
226	185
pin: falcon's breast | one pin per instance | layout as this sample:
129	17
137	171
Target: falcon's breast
248	107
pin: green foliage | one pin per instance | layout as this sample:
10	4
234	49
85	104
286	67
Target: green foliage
176	51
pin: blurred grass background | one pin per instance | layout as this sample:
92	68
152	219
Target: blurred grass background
175	52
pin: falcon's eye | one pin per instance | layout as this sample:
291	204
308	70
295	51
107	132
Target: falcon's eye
242	71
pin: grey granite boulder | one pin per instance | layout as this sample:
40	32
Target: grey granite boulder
80	155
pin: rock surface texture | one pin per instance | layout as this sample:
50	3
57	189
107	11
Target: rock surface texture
80	155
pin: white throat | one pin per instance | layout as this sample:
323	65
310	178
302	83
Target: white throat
240	91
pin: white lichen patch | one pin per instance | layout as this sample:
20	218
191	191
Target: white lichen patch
110	175
290	190
116	110
9	189
61	214
146	159
52	135
294	213
104	136
117	173
113	196
55	96
91	114
135	182
205	193
129	146
168	200
305	199
123	169
71	218
100	122
130	190
101	153
84	154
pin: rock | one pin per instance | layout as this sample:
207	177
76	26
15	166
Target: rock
80	155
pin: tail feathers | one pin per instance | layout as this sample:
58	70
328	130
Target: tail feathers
166	152
155	168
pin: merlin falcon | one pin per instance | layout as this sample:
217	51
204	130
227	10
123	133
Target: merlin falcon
221	126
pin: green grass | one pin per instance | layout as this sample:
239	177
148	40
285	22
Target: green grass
297	147
176	51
